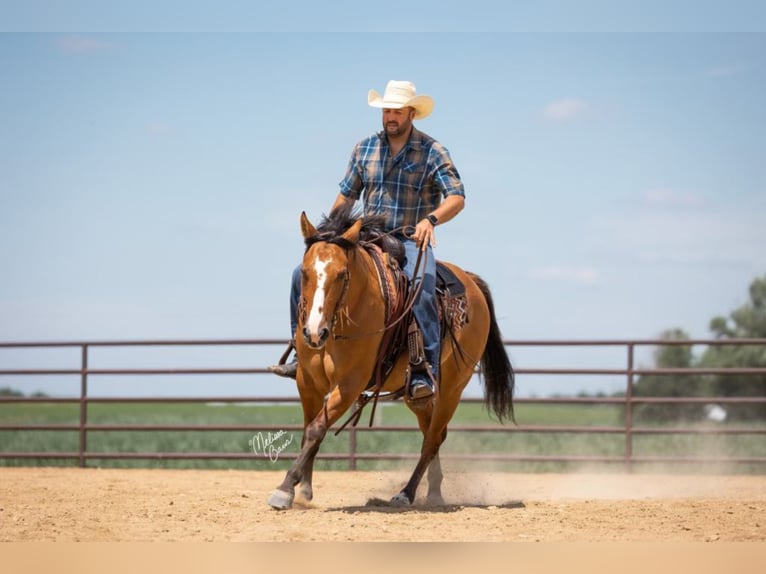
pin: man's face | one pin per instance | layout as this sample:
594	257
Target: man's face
397	122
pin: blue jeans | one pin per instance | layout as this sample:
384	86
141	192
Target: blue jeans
424	308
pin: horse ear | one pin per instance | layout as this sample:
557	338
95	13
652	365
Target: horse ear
352	234
307	228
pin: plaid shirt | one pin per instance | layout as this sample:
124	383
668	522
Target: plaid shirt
405	188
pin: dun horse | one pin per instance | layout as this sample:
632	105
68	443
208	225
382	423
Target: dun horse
342	324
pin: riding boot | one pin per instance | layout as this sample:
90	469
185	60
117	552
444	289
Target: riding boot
283	368
422	371
421	380
288	370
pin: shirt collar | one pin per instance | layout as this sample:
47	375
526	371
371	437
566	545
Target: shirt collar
415	142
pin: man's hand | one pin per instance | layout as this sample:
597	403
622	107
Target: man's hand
424	234
424	231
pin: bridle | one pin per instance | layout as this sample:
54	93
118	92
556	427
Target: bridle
339	305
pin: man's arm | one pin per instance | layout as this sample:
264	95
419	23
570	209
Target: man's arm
343	202
449	208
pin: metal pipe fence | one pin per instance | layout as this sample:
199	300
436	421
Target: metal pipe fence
626	400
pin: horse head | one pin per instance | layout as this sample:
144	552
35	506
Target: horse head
325	279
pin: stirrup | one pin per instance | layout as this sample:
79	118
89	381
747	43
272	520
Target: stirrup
426	386
418	368
290	347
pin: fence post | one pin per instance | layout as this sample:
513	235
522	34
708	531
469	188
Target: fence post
629	410
83	406
352	448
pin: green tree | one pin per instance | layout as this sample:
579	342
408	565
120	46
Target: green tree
745	322
671	355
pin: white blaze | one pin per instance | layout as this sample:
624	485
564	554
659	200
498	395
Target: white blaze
317	305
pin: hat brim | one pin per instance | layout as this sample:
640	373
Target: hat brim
422	104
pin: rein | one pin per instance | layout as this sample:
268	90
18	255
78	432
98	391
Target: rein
387	330
420	266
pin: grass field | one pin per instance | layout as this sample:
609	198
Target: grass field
282	423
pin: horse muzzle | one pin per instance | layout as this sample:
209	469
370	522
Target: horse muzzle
315	340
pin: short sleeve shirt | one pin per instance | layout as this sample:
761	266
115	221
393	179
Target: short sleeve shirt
405	188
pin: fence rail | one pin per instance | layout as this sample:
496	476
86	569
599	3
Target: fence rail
628	401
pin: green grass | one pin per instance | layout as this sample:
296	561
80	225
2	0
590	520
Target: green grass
288	419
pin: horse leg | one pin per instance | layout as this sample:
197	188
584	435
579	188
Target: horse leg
428	451
306	489
432	420
435	476
312	407
302	469
282	498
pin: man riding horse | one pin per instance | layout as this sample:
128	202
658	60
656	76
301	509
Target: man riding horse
408	178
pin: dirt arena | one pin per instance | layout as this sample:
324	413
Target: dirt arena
94	505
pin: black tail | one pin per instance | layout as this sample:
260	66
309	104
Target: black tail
495	366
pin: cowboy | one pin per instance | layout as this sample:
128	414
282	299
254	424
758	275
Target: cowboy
409	178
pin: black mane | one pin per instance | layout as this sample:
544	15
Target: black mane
340	220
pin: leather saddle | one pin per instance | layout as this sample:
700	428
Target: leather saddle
400	328
389	255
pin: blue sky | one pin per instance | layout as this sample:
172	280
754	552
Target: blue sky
393	16
151	183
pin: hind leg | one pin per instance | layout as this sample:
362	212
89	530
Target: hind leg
433	419
435	477
433	437
428	452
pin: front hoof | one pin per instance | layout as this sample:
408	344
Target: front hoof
401	499
281	500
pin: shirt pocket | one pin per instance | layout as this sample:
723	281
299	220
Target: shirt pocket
371	175
413	179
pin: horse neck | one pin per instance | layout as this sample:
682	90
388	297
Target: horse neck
364	288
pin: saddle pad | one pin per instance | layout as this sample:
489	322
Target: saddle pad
447	281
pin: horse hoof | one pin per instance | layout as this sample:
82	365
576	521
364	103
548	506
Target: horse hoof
307	493
400	499
281	500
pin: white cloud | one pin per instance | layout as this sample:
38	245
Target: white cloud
565	109
566	274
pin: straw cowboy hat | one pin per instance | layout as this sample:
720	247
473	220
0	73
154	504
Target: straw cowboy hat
401	94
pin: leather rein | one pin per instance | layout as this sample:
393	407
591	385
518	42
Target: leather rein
420	267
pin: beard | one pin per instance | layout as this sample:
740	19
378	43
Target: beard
396	129
393	129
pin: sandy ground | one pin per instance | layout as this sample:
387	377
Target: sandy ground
94	505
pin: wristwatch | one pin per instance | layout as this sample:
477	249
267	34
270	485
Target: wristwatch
433	219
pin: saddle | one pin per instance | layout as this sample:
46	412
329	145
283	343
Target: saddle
401	332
